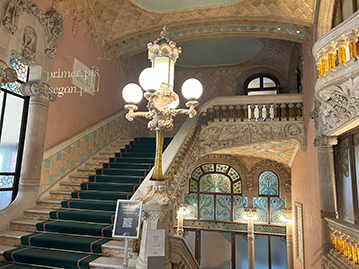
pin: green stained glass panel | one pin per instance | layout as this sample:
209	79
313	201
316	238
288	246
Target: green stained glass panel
223	207
208	167
12	86
191	209
20	68
268	183
197	173
193	186
261	203
276	206
6	182
215	183
233	174
221	168
239	203
237	187
206	206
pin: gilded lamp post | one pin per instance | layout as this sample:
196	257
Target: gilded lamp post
157	81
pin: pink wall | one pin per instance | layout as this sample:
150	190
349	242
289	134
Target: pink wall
305	181
72	113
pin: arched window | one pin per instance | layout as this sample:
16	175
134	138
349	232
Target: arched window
261	84
269	205
13	115
215	193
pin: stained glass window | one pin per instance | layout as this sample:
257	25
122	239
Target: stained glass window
239	203
276	206
223	207
191	202
215	183
22	72
206	206
268	183
6	182
261	203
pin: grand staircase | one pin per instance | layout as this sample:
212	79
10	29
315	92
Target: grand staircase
73	229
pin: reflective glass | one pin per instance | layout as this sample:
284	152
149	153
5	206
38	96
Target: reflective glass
241	252
218	254
5	199
278	248
261	252
268	83
255	83
190	238
344	186
10	133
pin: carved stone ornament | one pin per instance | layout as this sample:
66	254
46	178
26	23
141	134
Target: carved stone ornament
158	194
314	115
325	141
328	214
250	209
339	104
29	43
8	75
38	89
217	136
51	20
153	215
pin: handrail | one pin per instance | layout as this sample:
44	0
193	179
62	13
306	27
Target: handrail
181	254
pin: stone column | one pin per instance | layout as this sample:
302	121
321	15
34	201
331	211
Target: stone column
324	145
40	95
250	214
158	214
289	235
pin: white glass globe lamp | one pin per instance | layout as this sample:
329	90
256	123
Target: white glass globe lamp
192	89
132	93
149	79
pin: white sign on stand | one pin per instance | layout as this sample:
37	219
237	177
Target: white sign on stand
156	249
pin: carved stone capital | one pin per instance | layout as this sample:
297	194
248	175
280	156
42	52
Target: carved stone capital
153	215
250	210
38	89
157	194
314	115
287	213
325	141
8	75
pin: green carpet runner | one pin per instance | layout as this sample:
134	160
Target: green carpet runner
73	236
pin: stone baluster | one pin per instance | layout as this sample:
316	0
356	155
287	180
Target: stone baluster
210	115
299	115
224	113
352	44
291	111
264	112
331	55
231	117
324	145
204	118
271	112
319	66
283	114
216	113
249	114
342	45
256	112
324	61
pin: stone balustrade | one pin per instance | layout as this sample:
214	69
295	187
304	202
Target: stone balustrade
345	243
337	48
286	107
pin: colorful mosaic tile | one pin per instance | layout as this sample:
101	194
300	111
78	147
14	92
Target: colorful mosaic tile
237	187
208	168
206	206
233	174
215	225
193	186
268	183
223	207
221	168
197	173
215	183
269	229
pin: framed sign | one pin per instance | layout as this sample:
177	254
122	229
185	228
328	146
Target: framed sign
127	219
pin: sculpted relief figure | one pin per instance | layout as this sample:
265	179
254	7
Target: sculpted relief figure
29	43
9	11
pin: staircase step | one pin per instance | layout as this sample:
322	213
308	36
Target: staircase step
107	263
90	204
122	171
51	204
132	160
11	238
116	247
70	186
99	160
101	195
83	215
60	195
37	213
26	225
142	166
116	179
78	178
86	172
95	165
109	186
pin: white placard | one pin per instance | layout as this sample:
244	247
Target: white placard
156	243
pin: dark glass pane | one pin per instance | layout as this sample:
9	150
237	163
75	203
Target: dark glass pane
190	238
241	252
5	199
278	248
261	252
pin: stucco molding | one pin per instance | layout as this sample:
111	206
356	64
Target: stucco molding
51	21
221	135
325	141
38	89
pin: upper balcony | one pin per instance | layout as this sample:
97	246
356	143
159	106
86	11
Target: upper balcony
338	69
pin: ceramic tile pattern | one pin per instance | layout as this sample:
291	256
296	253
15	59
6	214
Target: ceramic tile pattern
67	159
